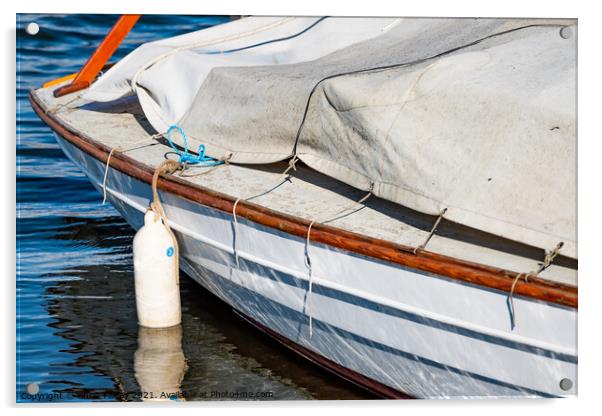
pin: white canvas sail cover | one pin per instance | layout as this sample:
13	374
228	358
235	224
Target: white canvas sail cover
474	115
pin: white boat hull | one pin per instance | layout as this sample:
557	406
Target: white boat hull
423	335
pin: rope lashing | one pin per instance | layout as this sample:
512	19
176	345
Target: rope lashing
104	180
167	167
548	259
235	232
136	145
226	161
308	257
364	198
56	108
428	238
309	269
185	156
292	165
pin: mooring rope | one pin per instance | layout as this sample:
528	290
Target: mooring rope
167	167
548	259
186	167
185	156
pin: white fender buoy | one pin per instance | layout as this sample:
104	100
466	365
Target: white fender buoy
156	275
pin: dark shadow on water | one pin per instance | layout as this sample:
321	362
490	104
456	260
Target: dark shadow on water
223	353
77	331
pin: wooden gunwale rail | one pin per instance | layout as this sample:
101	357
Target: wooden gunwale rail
448	267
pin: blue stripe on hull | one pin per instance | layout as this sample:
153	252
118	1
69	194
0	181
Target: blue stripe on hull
361	302
263	305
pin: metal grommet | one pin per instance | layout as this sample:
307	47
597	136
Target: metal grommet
566	32
32	28
33	388
566	384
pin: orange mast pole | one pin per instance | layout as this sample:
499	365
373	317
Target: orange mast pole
101	55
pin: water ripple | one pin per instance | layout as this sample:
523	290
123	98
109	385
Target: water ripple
76	320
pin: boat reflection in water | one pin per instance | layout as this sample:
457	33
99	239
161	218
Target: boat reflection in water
159	363
104	355
77	332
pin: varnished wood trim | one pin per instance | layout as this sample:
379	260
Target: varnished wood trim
425	261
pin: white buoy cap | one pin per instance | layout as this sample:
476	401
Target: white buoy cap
150	217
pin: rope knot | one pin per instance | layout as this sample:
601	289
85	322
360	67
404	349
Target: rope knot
169	167
548	259
550	256
431	233
292	165
185	156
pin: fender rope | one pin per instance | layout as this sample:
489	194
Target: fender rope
167	167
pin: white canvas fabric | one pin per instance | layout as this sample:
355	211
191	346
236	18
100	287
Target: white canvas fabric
474	115
167	74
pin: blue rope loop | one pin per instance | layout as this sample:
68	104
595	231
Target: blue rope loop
185	156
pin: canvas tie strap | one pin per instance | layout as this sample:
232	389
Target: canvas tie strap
428	238
548	259
166	167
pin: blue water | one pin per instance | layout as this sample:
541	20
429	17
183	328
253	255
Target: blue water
77	335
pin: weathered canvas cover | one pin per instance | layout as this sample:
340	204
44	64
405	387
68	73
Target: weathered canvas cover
474	115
